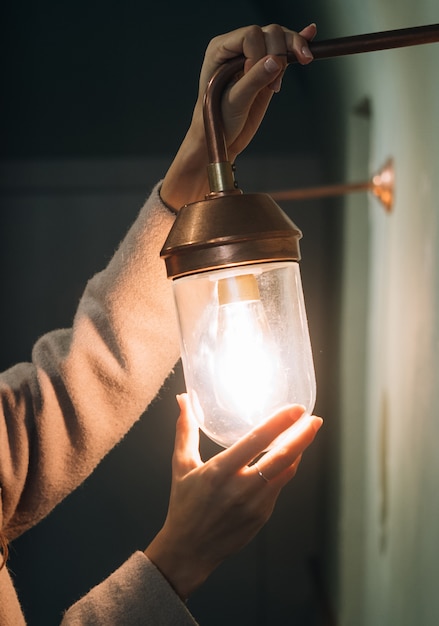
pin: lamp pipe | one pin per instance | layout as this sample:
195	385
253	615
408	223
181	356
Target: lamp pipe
326	49
324	191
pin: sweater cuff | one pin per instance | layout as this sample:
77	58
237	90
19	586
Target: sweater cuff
134	594
170	208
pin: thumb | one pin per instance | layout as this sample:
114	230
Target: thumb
186	448
241	96
260	75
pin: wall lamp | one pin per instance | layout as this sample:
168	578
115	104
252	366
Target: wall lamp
381	185
233	259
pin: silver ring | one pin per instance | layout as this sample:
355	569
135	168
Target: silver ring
264	478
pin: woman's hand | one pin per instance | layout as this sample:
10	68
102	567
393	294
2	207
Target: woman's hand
217	507
244	103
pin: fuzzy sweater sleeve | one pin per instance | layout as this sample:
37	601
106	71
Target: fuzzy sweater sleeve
84	389
134	595
86	386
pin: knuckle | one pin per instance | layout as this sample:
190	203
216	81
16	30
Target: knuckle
274	29
283	455
253	32
214	476
254	35
214	44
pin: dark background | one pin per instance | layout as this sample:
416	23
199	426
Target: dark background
109	78
111	86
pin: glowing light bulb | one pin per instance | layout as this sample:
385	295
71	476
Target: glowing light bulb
249	379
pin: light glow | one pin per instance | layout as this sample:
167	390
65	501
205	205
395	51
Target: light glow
248	375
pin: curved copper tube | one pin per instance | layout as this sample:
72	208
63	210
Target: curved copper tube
330	48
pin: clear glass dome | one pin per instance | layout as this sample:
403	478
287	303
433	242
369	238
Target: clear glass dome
245	346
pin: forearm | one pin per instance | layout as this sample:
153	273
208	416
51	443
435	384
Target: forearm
186	180
87	386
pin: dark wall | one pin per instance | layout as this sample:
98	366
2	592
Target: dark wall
118	81
108	78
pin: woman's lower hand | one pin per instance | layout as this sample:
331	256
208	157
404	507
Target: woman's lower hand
216	507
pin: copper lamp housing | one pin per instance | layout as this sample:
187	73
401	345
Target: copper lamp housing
227	231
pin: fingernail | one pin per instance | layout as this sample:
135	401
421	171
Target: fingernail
179	398
276	85
307	52
314	26
271	65
317	422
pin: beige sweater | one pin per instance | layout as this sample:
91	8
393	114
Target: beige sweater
84	389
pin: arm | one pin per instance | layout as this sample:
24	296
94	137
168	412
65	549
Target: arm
87	385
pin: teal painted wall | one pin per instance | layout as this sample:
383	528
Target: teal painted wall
385	531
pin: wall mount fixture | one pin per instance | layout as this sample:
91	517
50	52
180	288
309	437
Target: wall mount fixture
236	278
381	185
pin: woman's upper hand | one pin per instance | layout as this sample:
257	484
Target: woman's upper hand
217	507
243	105
264	50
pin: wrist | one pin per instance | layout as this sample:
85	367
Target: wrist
183	572
186	179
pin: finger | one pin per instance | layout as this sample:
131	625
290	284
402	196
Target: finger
297	43
275	39
248	41
275	44
246	101
278	465
243	93
309	32
256	441
288	474
186	449
278	482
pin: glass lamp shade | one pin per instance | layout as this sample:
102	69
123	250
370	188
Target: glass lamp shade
245	346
